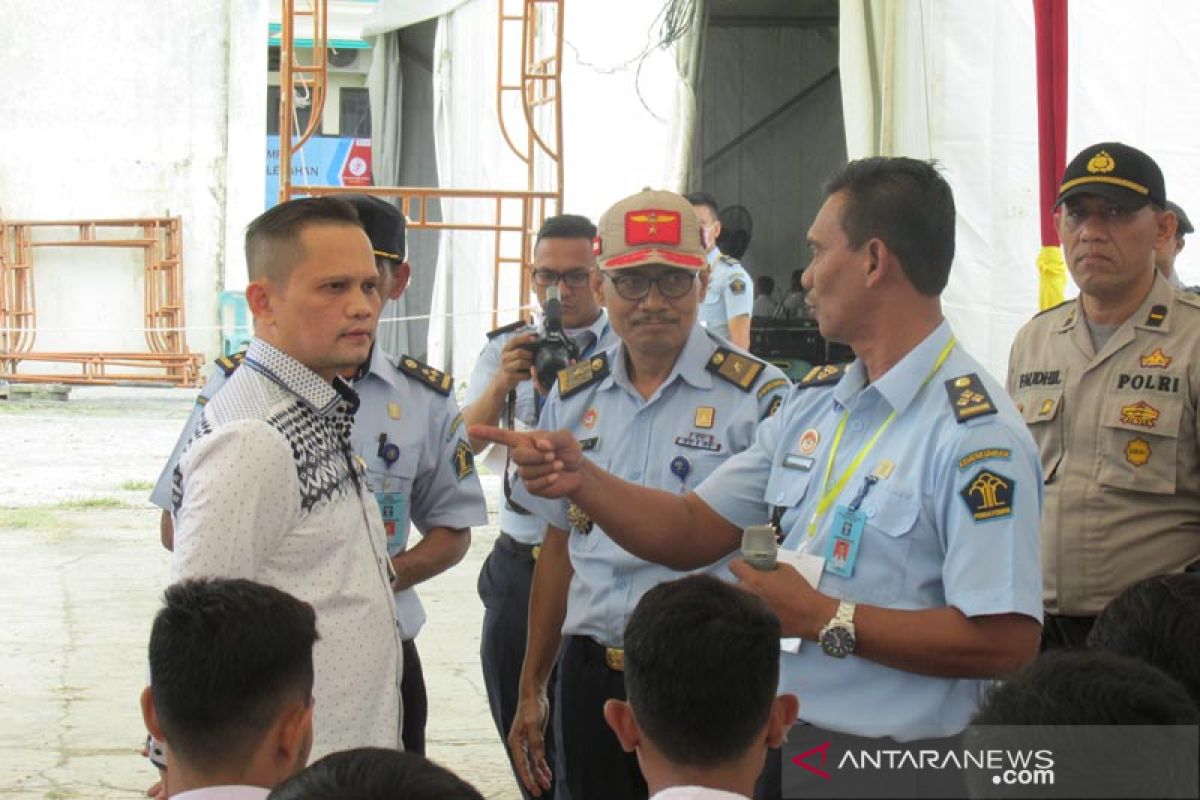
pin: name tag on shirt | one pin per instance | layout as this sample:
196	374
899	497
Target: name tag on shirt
810	568
393	507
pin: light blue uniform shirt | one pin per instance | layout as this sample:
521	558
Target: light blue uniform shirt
730	293
695	416
424	478
433	483
525	528
933	538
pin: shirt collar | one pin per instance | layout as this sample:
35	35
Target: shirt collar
379	366
690	365
713	256
298	379
900	384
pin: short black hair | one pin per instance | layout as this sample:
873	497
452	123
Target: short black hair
226	658
273	237
1067	702
909	206
701	669
566	226
374	773
737	228
1088	687
703	199
1156	620
764	284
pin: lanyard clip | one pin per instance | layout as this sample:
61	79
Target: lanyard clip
867	483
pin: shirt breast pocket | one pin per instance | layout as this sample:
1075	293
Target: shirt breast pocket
699	467
787	488
392	487
1042	411
1140	438
881	570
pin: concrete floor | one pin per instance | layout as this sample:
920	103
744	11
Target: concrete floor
81	574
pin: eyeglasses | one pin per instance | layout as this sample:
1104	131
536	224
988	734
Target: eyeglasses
575	279
672	284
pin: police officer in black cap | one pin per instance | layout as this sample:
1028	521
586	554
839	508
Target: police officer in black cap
1107	384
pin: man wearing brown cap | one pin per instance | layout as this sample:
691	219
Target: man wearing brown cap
1108	384
1166	253
662	407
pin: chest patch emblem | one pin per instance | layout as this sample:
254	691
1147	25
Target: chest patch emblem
1137	452
1141	414
1157	359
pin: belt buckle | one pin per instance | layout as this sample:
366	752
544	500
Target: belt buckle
536	551
614	658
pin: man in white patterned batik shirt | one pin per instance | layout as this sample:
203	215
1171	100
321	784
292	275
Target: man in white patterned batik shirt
268	489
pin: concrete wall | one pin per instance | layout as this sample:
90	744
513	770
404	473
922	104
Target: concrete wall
126	109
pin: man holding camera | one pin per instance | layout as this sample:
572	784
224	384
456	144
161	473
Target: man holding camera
501	392
661	407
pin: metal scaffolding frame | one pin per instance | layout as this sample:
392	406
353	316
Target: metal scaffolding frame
167	360
535	138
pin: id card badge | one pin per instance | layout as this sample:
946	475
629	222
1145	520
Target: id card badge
393	506
841	551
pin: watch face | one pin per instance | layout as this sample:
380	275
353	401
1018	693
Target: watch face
837	642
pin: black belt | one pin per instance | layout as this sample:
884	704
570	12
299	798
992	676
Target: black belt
594	652
511	545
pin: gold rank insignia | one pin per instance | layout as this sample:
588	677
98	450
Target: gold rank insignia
1157	358
1137	452
578	519
1156	317
740	370
435	379
585	373
968	397
394	410
1141	414
705	416
1046	409
463	460
231	362
822	375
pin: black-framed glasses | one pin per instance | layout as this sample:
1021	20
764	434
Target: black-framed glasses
673	284
575	279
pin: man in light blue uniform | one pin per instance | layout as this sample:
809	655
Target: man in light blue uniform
729	300
413	445
662	407
909	473
501	392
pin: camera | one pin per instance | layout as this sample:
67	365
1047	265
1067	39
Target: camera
554	350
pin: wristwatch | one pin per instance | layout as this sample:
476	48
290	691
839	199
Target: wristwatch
837	637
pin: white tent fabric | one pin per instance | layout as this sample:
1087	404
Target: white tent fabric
619	122
956	81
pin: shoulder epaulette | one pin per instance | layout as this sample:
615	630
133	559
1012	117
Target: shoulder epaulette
968	397
822	375
739	369
435	379
582	374
1052	308
231	362
509	328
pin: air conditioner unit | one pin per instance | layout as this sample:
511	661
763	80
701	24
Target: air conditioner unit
343	60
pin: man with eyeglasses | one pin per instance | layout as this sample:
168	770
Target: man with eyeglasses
501	392
662	407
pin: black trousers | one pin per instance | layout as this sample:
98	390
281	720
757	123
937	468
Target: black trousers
414	699
1059	632
594	764
504	585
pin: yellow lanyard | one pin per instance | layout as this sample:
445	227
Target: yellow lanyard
830	494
